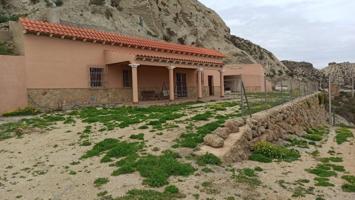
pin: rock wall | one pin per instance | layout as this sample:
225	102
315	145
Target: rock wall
63	99
271	125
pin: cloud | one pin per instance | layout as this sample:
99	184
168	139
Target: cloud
318	31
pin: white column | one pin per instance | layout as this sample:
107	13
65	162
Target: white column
135	95
199	82
221	71
171	83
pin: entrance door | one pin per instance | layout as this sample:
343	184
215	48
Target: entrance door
210	85
181	86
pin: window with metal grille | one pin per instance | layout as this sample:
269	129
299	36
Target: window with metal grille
96	77
127	79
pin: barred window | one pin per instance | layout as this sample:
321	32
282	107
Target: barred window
127	78
96	77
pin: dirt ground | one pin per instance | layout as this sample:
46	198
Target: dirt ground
47	165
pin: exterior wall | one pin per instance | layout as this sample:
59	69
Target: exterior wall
63	99
251	74
60	63
12	83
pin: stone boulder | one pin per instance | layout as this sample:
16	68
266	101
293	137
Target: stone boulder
232	125
213	141
223	132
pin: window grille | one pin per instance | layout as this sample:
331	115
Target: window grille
96	77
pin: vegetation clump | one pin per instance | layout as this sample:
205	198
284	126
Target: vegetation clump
137	137
350	185
193	139
316	135
202	117
342	135
101	181
151	195
247	176
113	148
267	152
208	159
155	169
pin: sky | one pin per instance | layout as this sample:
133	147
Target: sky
317	31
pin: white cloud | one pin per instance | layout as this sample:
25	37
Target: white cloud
318	31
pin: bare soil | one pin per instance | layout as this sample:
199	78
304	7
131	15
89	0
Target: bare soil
47	165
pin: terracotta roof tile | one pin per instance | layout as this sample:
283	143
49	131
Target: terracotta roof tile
33	26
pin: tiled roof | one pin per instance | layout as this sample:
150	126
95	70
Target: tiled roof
55	30
179	60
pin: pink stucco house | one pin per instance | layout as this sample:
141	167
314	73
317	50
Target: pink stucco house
61	67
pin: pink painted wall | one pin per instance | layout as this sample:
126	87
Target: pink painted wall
216	77
60	63
252	76
13	94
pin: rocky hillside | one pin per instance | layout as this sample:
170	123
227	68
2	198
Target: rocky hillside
341	73
303	70
182	21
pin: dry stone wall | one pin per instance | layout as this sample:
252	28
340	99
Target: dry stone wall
271	125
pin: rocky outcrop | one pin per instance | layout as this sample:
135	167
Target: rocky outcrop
186	22
292	118
303	70
341	73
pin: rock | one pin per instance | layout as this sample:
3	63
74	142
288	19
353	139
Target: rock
240	122
213	141
223	132
233	126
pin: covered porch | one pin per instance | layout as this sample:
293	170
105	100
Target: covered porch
160	79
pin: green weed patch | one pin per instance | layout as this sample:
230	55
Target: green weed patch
155	169
247	176
316	135
208	159
113	148
150	195
137	137
350	185
202	117
343	135
101	181
193	139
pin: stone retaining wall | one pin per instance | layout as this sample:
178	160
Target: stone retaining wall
63	99
271	125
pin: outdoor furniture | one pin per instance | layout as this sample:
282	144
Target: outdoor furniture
149	95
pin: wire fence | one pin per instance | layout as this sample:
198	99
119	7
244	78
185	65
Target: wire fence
279	93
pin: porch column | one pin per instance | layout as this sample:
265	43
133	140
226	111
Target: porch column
171	83
221	72
199	82
134	82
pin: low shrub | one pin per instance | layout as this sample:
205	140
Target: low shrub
272	151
